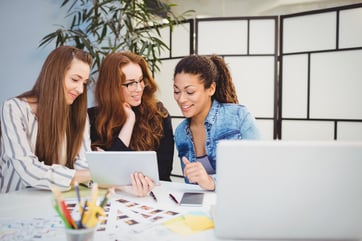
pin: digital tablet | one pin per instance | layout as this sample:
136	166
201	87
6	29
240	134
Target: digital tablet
114	168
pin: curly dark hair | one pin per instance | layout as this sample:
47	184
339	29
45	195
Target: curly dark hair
210	69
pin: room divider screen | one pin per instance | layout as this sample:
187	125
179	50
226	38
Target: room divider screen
249	46
321	75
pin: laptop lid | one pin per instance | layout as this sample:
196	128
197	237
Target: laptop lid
114	168
289	190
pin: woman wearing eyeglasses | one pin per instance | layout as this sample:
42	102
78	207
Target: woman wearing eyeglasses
128	117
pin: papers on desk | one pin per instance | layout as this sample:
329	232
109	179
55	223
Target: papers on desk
138	218
124	220
39	229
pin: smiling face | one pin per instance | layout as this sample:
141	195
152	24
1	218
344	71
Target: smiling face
76	77
191	96
133	73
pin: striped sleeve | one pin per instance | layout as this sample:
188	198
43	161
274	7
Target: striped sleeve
81	162
20	166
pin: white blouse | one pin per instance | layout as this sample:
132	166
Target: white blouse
19	166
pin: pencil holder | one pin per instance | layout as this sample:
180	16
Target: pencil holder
85	234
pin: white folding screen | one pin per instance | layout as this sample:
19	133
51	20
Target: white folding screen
252	61
321	74
250	51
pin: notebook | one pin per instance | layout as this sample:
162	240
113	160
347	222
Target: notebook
289	190
114	168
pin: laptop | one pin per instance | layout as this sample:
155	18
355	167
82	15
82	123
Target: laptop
289	190
114	168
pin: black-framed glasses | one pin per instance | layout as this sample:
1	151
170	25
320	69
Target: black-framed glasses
132	86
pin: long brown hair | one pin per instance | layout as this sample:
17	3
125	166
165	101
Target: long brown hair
111	116
210	69
56	119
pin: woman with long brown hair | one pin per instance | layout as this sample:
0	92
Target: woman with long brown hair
128	116
45	131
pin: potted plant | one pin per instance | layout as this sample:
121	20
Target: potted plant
105	26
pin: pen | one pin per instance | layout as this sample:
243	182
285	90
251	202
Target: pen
106	197
173	198
76	188
153	196
82	214
109	192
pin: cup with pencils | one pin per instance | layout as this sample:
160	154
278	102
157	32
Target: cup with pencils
91	213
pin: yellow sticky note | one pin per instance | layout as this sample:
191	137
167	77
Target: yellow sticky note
180	228
178	225
189	224
198	223
175	220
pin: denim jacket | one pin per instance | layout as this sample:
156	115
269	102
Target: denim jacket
224	121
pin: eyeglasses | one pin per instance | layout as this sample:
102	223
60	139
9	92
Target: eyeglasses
132	86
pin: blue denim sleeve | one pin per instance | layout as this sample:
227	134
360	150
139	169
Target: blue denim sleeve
249	129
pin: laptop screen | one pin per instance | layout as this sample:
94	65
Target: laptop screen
289	190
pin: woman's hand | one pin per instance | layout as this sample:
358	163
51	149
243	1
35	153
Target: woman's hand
125	134
141	184
131	116
81	176
196	173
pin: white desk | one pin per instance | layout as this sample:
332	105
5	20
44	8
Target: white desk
31	203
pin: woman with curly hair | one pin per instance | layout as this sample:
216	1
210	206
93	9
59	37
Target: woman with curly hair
128	116
204	91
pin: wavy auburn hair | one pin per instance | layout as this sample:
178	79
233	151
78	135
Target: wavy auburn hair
56	119
111	116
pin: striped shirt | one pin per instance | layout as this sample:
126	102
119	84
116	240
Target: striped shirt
19	166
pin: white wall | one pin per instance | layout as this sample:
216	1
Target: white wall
22	26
